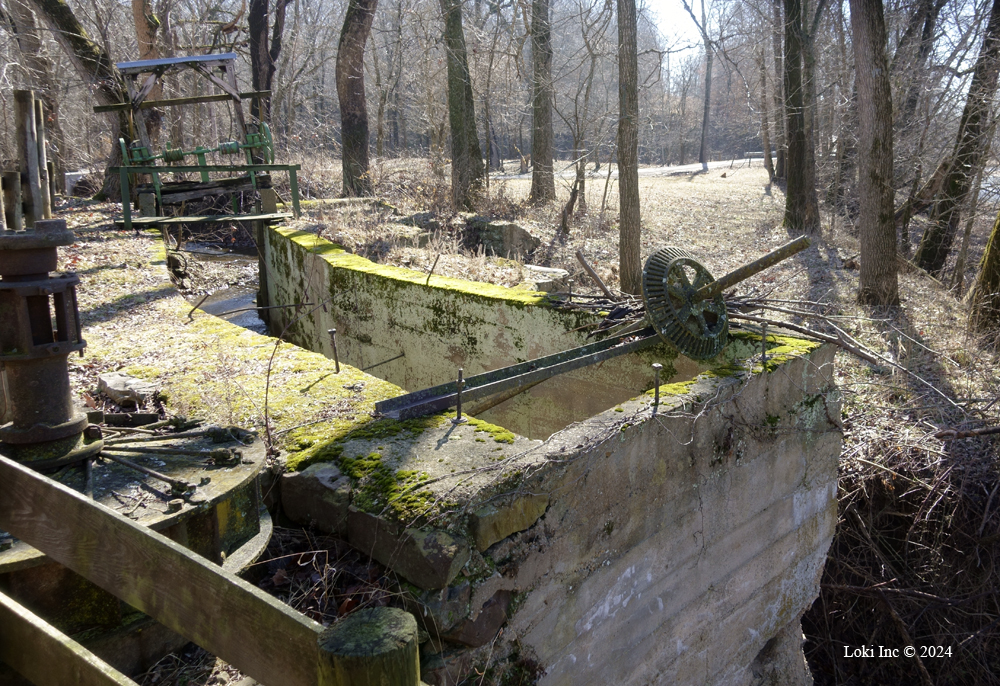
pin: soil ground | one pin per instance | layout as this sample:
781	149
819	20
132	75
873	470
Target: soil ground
919	521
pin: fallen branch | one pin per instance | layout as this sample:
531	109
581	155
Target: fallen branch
593	274
955	434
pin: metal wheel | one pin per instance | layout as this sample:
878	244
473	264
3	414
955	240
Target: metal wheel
670	279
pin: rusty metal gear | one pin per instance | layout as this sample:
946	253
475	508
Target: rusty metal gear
697	328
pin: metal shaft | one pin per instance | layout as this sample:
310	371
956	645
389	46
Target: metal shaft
746	271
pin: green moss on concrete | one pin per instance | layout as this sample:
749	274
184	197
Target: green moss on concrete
336	256
499	434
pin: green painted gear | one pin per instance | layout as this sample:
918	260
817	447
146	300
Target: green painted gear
670	279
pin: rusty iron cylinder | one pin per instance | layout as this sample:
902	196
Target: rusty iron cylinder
41	329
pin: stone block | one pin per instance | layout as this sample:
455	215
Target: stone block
546	279
496	522
427	558
318	496
124	389
482	629
441	610
502	238
447	669
405	234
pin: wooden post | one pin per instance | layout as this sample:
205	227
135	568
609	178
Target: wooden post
147	204
43	162
13	212
372	646
52	182
27	153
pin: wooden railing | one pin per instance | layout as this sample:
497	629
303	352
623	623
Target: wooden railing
220	612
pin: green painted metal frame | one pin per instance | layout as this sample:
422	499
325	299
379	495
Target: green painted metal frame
125	171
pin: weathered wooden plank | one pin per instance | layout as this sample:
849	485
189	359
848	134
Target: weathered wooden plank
223	614
47	657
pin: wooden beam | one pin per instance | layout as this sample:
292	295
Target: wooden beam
227	88
47	657
261	636
173	102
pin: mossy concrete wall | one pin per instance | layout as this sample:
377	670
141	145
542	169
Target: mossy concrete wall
430	331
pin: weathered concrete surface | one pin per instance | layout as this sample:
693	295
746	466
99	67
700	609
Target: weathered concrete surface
675	549
318	496
384	313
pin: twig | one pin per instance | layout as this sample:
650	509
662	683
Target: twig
905	635
431	272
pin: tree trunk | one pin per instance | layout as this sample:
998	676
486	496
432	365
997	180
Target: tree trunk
811	206
630	261
40	79
795	193
94	67
467	168
937	240
984	315
706	116
263	59
765	134
146	26
878	283
351	92
779	101
543	186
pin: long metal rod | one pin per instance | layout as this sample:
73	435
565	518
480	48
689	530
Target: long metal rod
746	271
479	386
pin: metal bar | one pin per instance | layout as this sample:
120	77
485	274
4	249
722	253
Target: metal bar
746	271
126	198
481	385
140	66
150	168
293	183
175	484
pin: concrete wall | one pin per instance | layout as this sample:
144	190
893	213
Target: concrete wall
382	312
675	551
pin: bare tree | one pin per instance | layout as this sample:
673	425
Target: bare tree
351	92
629	227
947	212
878	284
542	179
467	168
263	58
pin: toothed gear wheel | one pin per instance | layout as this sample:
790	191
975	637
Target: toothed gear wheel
670	279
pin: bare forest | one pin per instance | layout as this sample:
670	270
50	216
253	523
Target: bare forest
725	127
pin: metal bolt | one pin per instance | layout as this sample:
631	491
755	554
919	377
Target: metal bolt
175	505
458	409
93	431
333	342
656	385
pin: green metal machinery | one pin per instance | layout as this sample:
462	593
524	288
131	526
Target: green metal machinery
243	167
